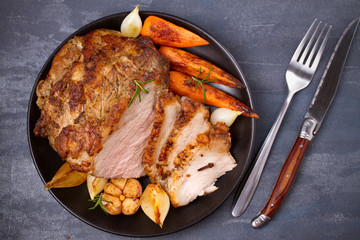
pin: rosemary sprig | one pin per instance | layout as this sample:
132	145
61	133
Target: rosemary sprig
201	81
138	89
97	199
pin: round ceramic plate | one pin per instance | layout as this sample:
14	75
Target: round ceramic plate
75	200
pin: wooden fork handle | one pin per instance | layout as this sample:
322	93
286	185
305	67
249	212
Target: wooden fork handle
283	183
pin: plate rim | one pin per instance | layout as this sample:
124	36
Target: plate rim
246	166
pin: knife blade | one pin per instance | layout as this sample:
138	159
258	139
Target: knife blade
318	108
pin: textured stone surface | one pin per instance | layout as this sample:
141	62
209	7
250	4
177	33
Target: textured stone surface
261	35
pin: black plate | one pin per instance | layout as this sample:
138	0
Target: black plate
47	161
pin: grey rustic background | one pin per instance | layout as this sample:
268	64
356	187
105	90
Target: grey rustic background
261	35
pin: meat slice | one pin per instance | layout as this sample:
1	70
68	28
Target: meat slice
176	126
123	150
167	112
84	102
186	135
194	155
197	177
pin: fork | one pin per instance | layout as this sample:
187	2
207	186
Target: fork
299	74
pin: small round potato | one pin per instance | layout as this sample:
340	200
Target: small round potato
130	206
132	188
111	203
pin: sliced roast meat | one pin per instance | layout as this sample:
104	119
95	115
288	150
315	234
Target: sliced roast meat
194	155
167	112
188	130
123	150
199	174
84	102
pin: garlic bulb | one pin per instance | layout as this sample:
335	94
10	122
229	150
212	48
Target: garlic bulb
225	115
132	24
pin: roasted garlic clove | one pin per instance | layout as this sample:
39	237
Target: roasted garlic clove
95	185
111	189
132	188
155	203
66	177
111	204
119	182
130	206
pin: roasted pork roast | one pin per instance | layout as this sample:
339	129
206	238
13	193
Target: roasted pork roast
84	102
94	119
186	154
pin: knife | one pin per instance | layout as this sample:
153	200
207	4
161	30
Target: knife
319	106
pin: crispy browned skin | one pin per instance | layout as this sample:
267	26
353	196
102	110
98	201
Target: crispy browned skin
168	111
87	89
189	109
160	116
182	138
187	161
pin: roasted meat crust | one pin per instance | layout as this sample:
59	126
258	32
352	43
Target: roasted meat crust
160	116
189	109
186	155
88	88
166	114
199	171
172	148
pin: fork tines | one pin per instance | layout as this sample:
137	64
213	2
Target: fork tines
303	54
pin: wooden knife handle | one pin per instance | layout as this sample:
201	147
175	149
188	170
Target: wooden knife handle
284	182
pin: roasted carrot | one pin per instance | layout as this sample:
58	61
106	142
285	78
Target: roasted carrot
183	85
166	33
191	64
